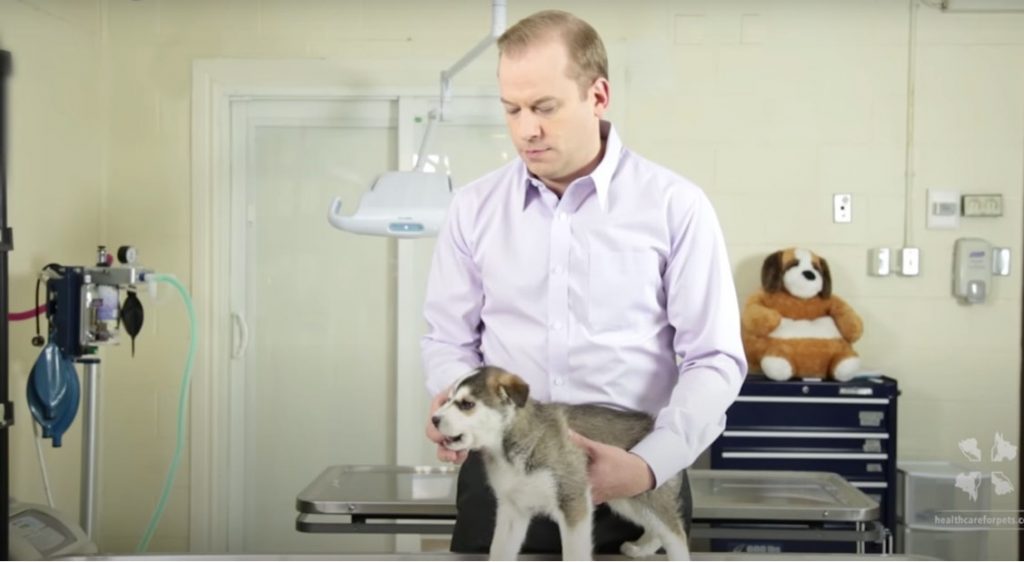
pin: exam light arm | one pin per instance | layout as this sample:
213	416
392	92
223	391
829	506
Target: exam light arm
498	23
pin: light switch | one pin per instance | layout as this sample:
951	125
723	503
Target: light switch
943	209
1001	261
909	261
879	262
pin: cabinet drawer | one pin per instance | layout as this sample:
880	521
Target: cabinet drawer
809	413
851	466
833	441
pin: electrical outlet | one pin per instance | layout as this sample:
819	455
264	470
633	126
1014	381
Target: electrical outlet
982	205
842	207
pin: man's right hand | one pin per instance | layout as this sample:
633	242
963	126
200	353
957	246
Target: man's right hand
443	453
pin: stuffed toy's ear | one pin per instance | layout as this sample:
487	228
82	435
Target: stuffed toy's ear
771	273
826	279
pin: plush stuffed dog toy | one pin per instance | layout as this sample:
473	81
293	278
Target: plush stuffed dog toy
794	326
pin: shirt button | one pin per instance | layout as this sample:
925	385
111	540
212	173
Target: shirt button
556	325
559	382
563	217
557	270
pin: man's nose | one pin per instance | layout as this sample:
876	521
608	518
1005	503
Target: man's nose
436	420
529	126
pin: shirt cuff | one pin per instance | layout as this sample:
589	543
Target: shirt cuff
665	452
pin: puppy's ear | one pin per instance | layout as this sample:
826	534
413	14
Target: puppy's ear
826	280
771	273
514	388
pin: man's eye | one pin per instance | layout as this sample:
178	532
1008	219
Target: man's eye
544	110
511	110
464	405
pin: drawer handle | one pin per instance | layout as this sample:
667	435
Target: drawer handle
837	456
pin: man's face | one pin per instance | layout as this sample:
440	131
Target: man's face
554	127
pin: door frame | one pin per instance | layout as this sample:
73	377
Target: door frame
216	84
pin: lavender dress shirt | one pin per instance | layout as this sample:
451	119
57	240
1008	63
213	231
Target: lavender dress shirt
618	293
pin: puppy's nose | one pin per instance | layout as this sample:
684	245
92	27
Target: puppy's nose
809	275
436	420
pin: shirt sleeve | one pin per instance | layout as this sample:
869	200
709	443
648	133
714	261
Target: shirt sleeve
451	346
702	307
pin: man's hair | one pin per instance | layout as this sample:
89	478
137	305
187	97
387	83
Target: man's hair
587	57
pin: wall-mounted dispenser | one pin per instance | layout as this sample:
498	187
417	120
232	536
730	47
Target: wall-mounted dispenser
975	261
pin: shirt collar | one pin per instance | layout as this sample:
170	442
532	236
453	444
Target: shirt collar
601	176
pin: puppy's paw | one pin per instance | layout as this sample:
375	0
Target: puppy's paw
638	549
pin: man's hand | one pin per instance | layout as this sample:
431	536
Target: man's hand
614	472
443	453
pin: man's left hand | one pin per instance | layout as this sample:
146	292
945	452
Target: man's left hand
614	472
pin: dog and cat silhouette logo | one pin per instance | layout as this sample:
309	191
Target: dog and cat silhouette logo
1001	451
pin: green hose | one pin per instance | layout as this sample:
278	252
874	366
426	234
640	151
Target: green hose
182	403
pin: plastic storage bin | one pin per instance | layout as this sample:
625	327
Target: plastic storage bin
944	545
928	495
936	510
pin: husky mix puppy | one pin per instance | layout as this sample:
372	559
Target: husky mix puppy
535	469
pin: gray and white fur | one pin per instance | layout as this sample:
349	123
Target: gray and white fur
534	467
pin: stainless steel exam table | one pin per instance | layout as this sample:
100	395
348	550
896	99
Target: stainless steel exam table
762	504
431	556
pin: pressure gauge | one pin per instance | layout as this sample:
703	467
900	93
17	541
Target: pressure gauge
103	258
127	255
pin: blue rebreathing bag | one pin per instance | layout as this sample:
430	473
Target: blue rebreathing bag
53	392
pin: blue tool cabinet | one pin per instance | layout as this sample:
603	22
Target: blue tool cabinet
844	427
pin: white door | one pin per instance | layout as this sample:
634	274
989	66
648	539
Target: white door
327	324
313	309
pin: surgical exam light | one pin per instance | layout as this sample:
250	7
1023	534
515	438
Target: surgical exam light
413	204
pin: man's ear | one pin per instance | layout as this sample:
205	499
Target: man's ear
601	90
515	388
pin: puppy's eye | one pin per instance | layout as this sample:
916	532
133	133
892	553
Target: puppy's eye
464	405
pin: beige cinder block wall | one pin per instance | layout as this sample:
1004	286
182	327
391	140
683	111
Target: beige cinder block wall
771	107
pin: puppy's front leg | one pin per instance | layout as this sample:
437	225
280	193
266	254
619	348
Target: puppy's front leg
509	532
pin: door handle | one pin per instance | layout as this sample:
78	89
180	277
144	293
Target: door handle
243	335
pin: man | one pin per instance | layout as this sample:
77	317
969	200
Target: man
596	275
